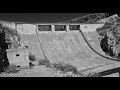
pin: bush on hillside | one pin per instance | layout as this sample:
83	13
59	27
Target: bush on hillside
32	57
12	69
65	68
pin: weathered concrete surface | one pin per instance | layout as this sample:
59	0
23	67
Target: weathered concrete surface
71	48
32	42
18	56
112	75
26	28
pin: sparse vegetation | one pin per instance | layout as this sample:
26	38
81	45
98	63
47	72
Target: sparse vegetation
32	57
91	18
11	69
44	62
69	70
65	68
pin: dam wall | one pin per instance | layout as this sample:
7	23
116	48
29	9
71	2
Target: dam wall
66	46
57	45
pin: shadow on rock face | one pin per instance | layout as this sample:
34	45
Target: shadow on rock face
3	55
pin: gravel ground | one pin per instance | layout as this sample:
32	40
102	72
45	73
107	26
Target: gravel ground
39	71
36	71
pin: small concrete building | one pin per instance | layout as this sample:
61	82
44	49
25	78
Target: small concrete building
19	56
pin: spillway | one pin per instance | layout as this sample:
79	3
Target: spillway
70	47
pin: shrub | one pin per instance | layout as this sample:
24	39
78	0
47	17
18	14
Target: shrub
32	57
65	68
44	62
93	75
11	69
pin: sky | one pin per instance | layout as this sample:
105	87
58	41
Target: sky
39	17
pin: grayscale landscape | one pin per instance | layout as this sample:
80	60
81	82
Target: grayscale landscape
86	46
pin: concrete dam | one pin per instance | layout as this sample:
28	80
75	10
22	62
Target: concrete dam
64	42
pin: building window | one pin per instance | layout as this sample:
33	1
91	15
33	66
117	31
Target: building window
60	27
44	27
74	27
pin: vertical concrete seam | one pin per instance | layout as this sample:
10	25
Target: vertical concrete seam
40	43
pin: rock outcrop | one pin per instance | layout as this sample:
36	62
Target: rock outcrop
110	36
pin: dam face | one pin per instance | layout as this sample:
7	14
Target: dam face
52	41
